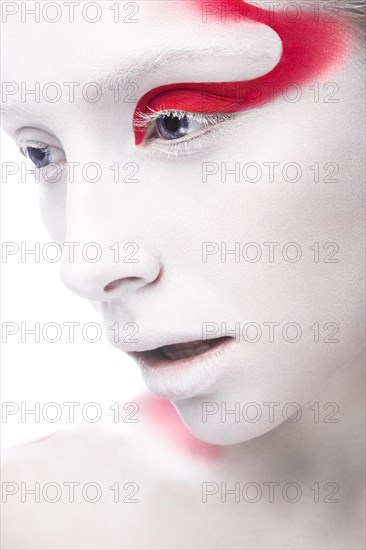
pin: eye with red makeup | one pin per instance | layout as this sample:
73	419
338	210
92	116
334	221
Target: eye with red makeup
311	47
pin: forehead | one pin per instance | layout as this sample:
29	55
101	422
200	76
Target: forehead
149	43
94	37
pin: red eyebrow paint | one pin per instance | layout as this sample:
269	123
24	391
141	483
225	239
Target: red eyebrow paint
311	45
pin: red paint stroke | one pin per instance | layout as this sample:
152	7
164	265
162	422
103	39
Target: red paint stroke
163	414
311	46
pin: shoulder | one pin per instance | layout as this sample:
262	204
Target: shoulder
110	473
124	437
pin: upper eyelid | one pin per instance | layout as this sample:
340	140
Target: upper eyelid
28	135
144	119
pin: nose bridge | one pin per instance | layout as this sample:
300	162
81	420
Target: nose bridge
107	252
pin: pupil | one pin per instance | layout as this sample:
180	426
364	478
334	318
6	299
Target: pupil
172	127
172	124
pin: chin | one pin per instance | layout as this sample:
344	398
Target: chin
208	420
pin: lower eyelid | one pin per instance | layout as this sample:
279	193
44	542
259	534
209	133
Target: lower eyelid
189	137
175	149
209	124
172	142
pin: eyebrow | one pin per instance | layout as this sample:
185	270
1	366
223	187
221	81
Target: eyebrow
142	67
121	75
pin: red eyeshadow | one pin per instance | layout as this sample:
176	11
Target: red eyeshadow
312	44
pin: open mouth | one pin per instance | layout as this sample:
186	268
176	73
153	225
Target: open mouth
175	354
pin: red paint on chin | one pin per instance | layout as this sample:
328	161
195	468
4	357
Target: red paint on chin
311	46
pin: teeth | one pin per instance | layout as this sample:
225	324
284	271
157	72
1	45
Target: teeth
181	354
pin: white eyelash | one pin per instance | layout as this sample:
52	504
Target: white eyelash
189	145
144	119
32	143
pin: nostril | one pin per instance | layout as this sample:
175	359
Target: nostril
118	282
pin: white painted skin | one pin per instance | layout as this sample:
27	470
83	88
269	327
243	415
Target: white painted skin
171	292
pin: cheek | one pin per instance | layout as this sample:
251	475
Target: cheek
52	200
317	211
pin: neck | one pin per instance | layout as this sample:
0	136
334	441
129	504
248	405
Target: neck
326	443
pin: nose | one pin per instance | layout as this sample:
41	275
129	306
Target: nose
108	250
96	274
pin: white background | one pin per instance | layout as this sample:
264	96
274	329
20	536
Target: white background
33	292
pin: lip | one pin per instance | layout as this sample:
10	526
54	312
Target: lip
155	359
185	377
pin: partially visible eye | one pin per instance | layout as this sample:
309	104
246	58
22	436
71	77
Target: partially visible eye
174	133
170	126
176	126
42	155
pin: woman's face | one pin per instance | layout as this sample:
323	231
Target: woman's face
240	237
